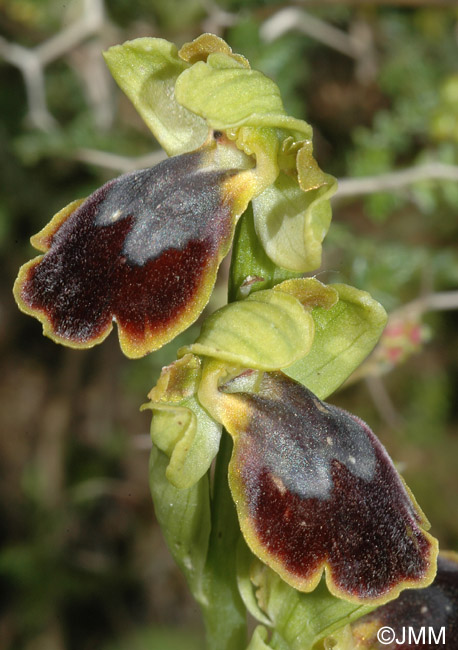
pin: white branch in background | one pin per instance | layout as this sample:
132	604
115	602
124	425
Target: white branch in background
217	19
32	61
32	71
397	179
437	301
90	22
357	44
118	163
294	18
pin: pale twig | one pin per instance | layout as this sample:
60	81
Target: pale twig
90	22
397	179
97	82
294	18
32	71
217	19
439	301
383	402
116	162
32	61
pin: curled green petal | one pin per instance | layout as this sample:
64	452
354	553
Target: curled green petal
344	335
226	93
201	47
268	330
181	428
251	269
310	292
292	224
146	69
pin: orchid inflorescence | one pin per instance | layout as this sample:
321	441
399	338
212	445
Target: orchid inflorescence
314	489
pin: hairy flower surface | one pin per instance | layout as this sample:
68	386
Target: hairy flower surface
423	619
315	489
143	250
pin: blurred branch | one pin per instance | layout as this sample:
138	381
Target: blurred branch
113	161
217	19
32	71
358	44
397	179
375	3
383	402
440	301
32	61
89	23
294	18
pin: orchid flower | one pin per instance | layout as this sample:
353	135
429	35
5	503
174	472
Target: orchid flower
314	498
144	249
313	487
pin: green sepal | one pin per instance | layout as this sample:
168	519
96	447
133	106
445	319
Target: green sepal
146	69
267	331
344	335
292	223
180	427
251	269
184	517
300	620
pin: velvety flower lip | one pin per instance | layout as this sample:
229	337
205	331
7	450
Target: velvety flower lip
315	490
142	250
433	608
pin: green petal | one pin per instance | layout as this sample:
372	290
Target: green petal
344	335
146	69
181	428
227	94
268	330
292	223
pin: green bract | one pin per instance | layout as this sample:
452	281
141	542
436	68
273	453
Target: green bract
184	516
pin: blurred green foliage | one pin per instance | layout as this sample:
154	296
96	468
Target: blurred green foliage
82	564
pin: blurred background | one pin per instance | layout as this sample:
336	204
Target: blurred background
82	562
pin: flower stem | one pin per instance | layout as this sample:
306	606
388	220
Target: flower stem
225	614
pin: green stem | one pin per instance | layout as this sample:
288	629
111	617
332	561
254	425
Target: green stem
225	614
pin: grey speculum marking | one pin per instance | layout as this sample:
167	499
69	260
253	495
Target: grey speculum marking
171	204
298	440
